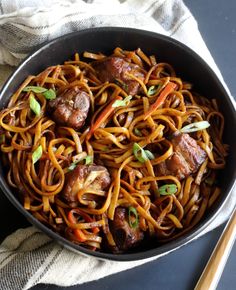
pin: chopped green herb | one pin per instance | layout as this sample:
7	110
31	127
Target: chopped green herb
34	105
137	132
140	154
197	126
149	154
35	89
37	154
152	90
133	217
50	94
72	166
122	103
88	160
167	189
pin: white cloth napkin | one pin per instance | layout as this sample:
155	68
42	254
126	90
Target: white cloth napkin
29	257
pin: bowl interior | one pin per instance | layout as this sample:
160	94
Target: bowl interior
187	64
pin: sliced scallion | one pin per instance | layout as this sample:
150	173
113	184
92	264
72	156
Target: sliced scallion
50	94
140	154
34	105
137	132
122	103
88	160
72	166
197	126
152	90
37	154
149	154
167	189
133	217
34	89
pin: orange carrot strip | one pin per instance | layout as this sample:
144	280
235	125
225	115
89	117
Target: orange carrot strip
102	117
86	217
159	101
78	233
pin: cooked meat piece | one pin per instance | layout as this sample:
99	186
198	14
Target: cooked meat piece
185	160
114	69
71	108
85	176
124	236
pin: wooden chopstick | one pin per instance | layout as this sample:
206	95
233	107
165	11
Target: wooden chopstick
215	266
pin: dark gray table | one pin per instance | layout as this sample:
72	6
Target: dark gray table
181	269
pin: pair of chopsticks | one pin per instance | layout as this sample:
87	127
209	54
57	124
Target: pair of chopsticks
215	266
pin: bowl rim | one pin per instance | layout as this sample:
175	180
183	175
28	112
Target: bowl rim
147	254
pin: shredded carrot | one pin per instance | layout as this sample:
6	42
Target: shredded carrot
160	100
102	117
78	233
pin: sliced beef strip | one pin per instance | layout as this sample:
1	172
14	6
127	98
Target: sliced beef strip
124	236
70	108
114	69
89	176
185	160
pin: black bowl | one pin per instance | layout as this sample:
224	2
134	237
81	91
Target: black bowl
188	65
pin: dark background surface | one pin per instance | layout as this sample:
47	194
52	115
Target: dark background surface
217	24
181	269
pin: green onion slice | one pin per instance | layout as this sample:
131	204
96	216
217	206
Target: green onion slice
140	154
34	105
88	160
122	103
197	126
35	89
37	154
133	217
149	154
72	166
152	90
167	189
137	132
50	94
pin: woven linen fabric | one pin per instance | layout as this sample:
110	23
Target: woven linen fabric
29	257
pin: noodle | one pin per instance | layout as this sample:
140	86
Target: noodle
40	154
